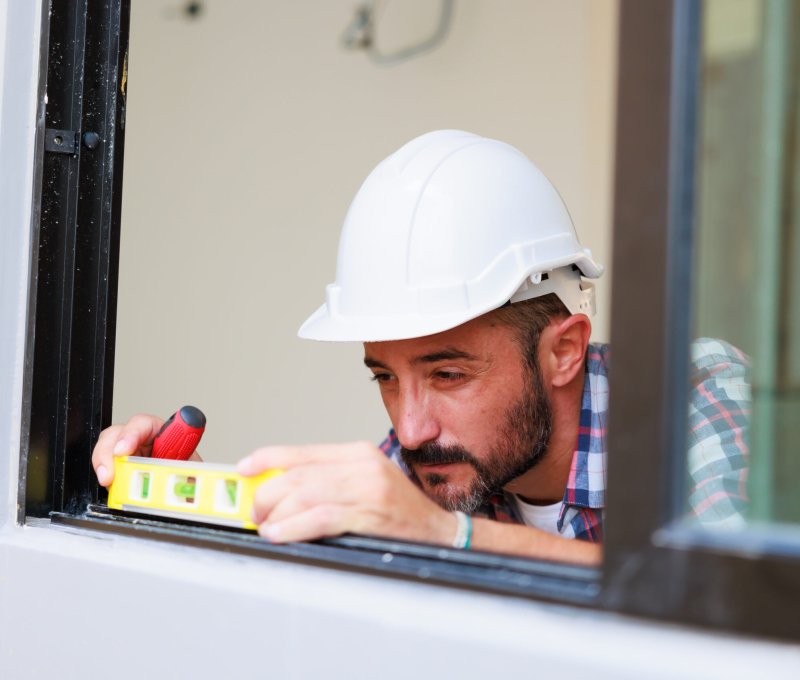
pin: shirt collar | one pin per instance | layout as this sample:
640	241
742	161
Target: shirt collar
586	484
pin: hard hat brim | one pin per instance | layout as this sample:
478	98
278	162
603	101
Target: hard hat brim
324	326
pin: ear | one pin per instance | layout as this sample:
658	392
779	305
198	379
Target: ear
566	348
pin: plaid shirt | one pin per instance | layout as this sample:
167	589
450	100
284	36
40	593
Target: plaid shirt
717	459
719	413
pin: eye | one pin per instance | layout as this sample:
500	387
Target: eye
449	376
381	377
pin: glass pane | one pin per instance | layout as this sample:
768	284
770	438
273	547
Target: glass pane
743	462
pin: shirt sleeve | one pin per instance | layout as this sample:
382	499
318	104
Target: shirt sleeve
719	414
391	449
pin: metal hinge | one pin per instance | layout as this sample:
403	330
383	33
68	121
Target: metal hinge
61	141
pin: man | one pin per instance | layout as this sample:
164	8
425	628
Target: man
460	271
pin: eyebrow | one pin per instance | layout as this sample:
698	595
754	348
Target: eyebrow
374	363
446	354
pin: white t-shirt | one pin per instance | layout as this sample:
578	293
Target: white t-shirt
544	517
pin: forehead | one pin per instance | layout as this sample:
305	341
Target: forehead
481	338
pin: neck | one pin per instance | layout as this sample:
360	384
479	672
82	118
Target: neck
546	481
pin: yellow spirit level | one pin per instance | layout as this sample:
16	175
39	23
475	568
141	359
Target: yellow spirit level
206	492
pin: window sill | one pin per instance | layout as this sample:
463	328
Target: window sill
472	570
223	613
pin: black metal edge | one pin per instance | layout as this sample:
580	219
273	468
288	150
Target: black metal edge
755	541
711	587
637	427
97	244
679	306
56	252
655	568
33	262
790	190
573	585
78	245
426	550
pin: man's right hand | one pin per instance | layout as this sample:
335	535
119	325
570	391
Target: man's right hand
135	438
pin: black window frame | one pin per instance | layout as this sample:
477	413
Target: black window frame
653	567
75	255
657	565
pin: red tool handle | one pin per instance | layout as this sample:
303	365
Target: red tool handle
178	437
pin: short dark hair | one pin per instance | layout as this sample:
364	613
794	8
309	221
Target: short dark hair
528	319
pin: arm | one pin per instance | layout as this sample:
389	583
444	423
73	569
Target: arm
523	541
329	490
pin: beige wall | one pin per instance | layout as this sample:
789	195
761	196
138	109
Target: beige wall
249	129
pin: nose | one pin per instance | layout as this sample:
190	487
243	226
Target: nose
415	423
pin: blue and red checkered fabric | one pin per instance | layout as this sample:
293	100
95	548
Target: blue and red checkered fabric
719	414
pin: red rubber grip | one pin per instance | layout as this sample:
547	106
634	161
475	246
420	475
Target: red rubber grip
177	439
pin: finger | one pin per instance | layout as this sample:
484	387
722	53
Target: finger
137	435
103	454
272	492
298	489
317	522
287	457
134	437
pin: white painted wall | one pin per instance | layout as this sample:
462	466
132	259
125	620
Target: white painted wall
249	131
129	609
19	64
77	604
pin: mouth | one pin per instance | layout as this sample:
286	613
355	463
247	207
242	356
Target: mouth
432	467
436	468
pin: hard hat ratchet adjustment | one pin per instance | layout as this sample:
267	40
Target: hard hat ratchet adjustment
566	282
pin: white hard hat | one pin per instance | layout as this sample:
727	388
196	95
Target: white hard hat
450	226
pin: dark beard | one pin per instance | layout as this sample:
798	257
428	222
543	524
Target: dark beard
521	443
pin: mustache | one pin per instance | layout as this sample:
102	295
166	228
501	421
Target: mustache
437	454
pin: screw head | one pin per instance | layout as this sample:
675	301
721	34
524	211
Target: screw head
91	140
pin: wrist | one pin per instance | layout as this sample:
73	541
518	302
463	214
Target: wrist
463	535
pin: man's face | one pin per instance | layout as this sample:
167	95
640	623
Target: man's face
468	411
